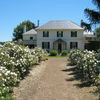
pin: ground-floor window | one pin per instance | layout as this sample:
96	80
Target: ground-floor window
73	45
46	45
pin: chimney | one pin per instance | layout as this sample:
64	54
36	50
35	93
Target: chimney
81	23
24	29
38	22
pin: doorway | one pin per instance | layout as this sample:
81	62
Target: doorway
59	47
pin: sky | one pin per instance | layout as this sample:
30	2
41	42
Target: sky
13	12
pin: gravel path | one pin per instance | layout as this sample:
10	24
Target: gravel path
56	83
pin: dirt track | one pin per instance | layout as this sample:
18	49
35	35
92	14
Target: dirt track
55	83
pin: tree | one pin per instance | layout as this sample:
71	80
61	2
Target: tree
85	25
97	31
93	15
19	30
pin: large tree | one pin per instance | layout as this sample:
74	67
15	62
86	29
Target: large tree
85	25
97	31
19	30
93	15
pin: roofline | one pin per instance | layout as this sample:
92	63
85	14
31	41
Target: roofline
59	29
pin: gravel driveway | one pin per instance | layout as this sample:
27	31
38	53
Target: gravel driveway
55	83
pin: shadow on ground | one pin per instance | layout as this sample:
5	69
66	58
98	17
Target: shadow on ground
73	76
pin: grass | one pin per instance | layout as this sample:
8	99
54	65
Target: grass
56	56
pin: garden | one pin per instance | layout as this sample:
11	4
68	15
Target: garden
15	63
87	67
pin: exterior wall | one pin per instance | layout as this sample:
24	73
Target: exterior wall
66	37
27	41
27	36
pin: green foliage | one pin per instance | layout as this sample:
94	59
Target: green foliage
92	15
64	53
97	3
87	66
97	82
85	25
19	30
53	53
74	56
97	31
15	63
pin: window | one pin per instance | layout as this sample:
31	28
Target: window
73	34
45	34
31	38
73	45
59	34
46	45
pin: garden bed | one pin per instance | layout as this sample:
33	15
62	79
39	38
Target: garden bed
16	61
29	84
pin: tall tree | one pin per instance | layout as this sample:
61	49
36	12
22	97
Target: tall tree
19	30
85	25
93	15
97	31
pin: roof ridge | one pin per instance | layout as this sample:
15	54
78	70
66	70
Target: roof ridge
60	24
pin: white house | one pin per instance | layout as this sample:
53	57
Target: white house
58	35
30	38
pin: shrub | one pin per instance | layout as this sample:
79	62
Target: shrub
8	79
53	53
97	83
15	62
64	53
75	56
40	54
88	66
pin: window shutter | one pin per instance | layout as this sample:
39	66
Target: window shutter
57	34
48	45
70	45
43	45
43	34
61	33
76	33
47	33
76	45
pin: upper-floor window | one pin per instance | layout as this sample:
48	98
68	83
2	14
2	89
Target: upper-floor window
31	38
60	34
73	33
45	33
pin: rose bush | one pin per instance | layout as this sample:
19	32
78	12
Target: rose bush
40	54
86	63
87	66
15	62
74	56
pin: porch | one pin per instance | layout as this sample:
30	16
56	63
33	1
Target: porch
59	45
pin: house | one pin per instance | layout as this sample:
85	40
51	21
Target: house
58	35
30	38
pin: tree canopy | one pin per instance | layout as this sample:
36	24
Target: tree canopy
85	25
97	31
93	15
19	30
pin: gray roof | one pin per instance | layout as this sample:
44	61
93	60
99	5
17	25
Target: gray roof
60	24
32	31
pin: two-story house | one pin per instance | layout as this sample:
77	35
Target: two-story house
60	35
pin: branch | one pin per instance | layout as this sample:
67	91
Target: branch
97	3
92	15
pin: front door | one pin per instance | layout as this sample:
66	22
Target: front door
59	47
